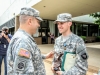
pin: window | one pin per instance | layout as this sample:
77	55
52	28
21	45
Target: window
78	29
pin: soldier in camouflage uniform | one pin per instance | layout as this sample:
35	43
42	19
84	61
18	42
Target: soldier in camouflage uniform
23	55
70	42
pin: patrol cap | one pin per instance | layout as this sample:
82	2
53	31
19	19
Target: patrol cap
5	28
63	17
29	11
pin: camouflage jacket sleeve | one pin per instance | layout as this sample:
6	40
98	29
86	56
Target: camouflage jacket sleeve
22	59
55	47
43	56
80	67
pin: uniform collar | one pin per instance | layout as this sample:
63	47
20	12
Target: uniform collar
25	33
64	38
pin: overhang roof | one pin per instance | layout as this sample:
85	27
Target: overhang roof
49	9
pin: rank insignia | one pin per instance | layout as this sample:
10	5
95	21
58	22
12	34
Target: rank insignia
24	53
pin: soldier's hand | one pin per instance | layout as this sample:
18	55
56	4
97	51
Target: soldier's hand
50	55
59	72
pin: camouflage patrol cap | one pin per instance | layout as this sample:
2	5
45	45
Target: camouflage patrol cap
63	17
29	11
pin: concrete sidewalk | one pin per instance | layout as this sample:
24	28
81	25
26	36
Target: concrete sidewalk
93	45
93	50
93	61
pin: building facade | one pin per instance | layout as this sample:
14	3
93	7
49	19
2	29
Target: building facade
82	26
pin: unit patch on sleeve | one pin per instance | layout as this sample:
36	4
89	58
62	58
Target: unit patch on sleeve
84	56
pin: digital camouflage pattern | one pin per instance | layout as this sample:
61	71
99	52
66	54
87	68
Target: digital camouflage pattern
23	56
75	44
64	17
30	12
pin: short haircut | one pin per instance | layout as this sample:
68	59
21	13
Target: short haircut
24	18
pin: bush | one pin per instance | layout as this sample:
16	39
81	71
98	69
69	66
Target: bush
83	37
98	38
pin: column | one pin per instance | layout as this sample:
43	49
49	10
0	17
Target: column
16	23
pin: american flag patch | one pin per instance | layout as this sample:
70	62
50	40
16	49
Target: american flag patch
24	53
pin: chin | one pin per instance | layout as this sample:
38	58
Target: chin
60	32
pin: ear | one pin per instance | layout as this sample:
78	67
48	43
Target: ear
29	21
70	23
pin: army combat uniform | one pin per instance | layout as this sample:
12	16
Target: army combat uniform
73	43
23	55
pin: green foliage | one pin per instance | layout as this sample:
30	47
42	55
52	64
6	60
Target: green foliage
97	17
98	38
83	37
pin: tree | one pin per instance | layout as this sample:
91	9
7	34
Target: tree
97	17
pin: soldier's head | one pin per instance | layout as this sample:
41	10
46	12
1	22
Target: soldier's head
64	21
29	19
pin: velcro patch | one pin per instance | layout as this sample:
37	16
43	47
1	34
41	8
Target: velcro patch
21	65
84	56
24	53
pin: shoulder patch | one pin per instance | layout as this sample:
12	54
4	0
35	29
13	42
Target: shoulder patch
24	53
84	56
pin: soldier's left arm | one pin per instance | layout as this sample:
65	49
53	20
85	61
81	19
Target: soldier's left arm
80	67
